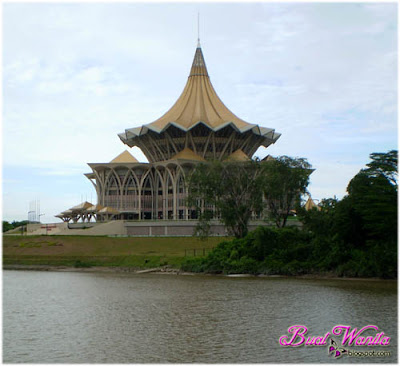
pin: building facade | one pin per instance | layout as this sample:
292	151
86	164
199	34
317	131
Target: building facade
197	128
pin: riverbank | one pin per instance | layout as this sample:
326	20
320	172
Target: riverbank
176	271
162	255
50	268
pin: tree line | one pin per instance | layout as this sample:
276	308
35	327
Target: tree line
355	236
14	224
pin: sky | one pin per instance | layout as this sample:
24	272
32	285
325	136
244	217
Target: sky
75	75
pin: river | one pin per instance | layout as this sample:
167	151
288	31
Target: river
73	317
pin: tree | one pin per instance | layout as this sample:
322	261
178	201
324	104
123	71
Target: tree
284	180
320	222
7	226
230	191
384	164
373	194
357	235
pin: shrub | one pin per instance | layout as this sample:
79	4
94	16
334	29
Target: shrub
80	264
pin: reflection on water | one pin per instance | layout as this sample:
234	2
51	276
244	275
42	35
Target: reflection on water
52	317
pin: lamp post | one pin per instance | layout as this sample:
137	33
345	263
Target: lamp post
29	215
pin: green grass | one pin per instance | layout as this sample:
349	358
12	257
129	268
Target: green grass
87	251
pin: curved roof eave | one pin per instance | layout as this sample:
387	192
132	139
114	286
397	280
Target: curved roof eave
271	139
135	132
122	136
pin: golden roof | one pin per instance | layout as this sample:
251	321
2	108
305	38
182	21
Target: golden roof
66	212
188	154
198	103
109	210
81	206
125	157
94	208
310	204
238	155
268	158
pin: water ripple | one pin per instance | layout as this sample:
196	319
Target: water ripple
126	318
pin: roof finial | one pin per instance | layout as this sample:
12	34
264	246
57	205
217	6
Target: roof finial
198	30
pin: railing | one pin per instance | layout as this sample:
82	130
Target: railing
197	252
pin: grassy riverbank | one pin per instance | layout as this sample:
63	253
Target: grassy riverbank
87	251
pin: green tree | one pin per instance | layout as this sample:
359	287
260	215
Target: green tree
384	164
319	222
373	195
7	226
357	236
230	191
284	180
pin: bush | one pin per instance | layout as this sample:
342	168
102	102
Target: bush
290	251
80	264
195	265
265	250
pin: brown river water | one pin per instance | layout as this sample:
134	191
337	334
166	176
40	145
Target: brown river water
72	317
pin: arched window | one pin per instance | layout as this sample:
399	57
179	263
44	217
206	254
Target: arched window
159	195
147	197
130	194
112	192
181	196
169	190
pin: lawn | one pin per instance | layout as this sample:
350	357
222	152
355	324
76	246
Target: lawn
138	252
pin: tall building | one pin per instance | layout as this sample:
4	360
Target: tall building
198	127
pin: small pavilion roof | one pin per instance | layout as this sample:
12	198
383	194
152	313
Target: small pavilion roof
238	155
124	157
268	158
94	208
81	206
109	210
188	154
66	212
310	204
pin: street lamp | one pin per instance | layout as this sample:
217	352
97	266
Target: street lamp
41	215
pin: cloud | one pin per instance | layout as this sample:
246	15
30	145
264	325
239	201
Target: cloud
76	75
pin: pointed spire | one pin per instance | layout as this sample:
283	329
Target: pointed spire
198	30
199	65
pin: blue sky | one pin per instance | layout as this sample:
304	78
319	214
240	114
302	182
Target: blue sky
75	75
